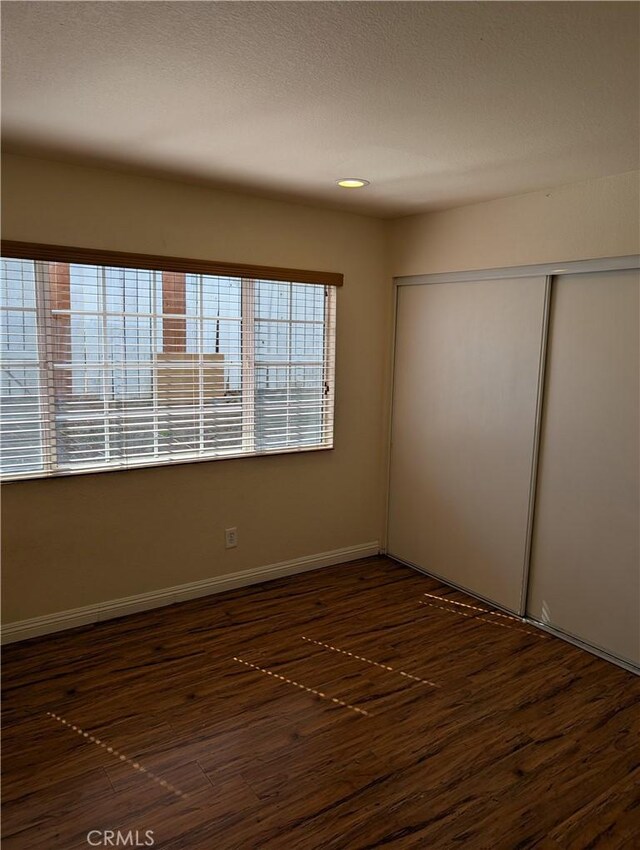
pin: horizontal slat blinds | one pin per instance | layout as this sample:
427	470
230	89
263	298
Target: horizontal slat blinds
109	367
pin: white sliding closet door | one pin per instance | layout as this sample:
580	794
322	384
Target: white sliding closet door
466	386
585	570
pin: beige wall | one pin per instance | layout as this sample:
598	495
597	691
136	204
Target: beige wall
69	542
596	218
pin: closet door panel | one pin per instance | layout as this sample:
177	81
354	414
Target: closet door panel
585	570
465	395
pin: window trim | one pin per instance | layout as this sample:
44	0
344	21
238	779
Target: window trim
161	263
39	252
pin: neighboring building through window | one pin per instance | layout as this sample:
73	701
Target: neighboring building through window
109	367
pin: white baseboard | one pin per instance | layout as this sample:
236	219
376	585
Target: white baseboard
24	629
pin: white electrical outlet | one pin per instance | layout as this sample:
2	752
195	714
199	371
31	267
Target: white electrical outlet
231	537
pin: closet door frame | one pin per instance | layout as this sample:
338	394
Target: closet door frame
549	271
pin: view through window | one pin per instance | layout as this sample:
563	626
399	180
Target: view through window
108	367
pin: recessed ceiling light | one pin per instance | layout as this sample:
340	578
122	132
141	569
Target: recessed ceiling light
352	183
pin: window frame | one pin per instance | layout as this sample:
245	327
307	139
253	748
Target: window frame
248	275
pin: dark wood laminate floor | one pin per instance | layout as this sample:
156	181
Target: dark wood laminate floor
236	721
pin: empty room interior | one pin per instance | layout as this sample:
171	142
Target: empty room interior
320	425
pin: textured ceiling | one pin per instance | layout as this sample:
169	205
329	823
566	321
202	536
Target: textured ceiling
437	104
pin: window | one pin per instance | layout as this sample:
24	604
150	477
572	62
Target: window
106	365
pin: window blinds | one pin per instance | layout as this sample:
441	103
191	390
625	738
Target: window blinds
108	367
